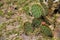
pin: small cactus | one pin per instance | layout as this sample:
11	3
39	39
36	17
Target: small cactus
36	10
36	22
28	28
46	31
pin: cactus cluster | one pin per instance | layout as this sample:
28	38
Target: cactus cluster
28	28
37	11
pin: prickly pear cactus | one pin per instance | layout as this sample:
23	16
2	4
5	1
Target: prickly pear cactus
38	10
46	31
28	28
36	22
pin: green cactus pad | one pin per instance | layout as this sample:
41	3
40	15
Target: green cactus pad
36	10
36	22
46	31
28	28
